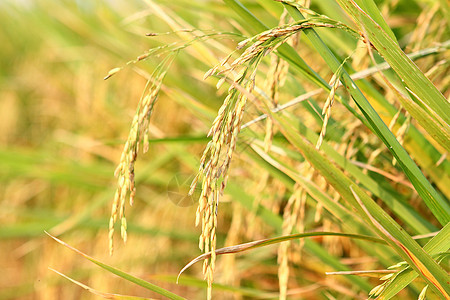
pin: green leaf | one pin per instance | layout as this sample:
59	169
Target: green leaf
439	206
98	293
261	243
401	242
126	276
399	61
439	243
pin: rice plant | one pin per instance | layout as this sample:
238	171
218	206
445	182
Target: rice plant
316	135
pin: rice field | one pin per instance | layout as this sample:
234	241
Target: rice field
277	149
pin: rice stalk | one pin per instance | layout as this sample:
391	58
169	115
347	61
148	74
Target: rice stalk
125	172
276	77
139	131
216	158
213	171
326	110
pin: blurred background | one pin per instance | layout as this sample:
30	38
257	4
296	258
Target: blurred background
62	130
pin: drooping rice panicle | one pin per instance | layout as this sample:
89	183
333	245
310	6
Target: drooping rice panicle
125	169
216	158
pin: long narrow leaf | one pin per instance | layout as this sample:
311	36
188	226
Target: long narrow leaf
342	184
261	243
98	293
439	207
399	61
122	274
439	243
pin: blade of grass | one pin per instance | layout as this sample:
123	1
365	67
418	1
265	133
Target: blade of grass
261	243
341	183
188	281
399	61
122	274
439	243
276	221
96	292
417	263
375	14
439	207
346	218
403	210
415	142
